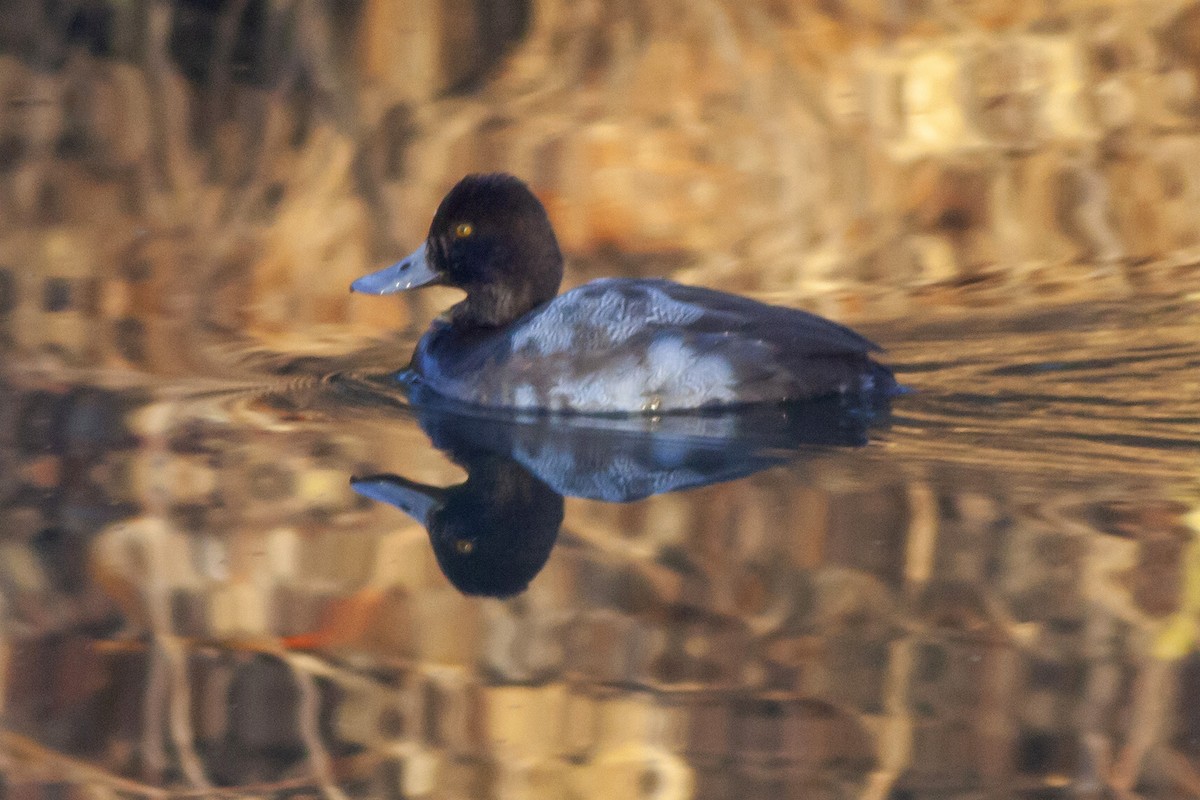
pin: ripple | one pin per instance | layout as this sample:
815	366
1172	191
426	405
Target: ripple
1104	394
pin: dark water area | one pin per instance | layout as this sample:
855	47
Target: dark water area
992	590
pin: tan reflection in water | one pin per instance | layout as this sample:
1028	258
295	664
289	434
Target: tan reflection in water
849	626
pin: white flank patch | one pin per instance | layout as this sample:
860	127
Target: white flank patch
670	376
524	396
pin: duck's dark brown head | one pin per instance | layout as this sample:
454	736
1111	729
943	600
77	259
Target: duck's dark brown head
491	238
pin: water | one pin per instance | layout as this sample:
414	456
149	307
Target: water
996	594
992	591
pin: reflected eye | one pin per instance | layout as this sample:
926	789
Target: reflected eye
464	547
463	230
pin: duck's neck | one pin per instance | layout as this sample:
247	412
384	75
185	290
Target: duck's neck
496	305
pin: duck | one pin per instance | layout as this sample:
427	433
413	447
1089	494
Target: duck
613	346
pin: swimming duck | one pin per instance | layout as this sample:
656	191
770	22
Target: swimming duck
611	346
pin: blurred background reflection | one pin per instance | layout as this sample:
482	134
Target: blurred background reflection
997	596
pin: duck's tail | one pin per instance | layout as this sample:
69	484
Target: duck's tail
880	381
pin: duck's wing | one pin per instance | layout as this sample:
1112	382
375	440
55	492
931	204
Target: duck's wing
609	314
798	331
775	351
613	313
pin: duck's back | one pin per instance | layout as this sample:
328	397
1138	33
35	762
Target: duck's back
620	345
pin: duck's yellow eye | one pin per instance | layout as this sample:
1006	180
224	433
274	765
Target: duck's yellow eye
464	547
464	230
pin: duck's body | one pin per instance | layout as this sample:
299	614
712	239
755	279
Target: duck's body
610	346
634	346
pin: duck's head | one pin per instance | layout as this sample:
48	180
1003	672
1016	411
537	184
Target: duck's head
492	534
491	238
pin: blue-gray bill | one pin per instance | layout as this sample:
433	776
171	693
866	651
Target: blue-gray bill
415	499
408	273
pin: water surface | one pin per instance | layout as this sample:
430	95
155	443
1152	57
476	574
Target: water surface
996	594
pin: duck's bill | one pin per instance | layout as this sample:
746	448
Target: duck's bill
408	273
417	500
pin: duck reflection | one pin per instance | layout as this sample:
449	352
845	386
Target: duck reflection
494	532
